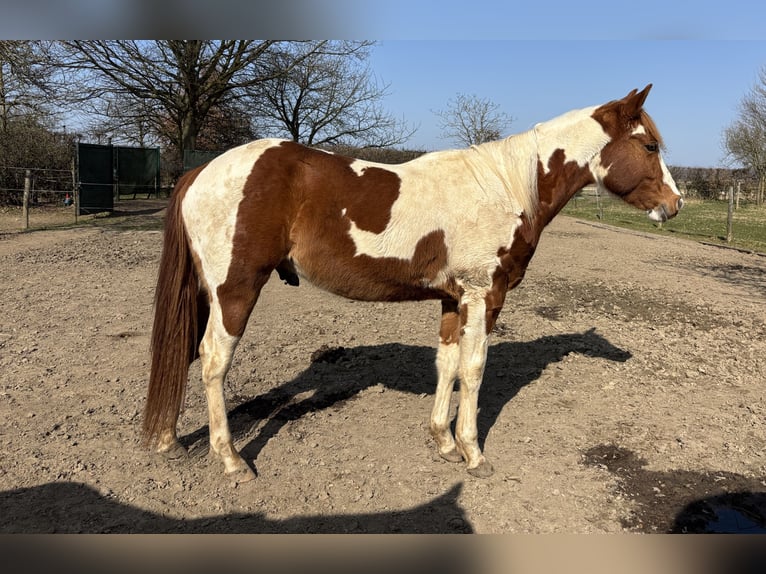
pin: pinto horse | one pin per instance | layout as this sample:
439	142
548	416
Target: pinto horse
459	226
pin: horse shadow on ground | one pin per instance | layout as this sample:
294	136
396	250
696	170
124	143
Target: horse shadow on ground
69	507
339	374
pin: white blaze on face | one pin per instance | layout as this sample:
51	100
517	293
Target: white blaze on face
658	213
667	179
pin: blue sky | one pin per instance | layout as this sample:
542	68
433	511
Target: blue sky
697	85
534	59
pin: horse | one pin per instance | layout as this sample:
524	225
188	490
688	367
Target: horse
459	226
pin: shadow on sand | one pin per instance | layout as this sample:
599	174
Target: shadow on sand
68	507
339	374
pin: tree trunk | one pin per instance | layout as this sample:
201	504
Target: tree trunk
189	129
3	103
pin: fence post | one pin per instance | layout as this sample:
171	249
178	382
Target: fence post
598	204
75	194
730	215
25	204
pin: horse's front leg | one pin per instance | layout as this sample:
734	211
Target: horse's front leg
478	320
447	360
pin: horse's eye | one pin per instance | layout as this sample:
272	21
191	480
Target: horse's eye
652	147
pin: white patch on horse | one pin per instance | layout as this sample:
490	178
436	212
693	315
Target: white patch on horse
576	132
600	172
211	204
455	192
358	166
516	225
403	231
639	129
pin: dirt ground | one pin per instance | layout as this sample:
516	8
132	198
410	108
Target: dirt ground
624	391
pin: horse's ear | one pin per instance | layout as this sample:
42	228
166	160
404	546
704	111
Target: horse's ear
634	102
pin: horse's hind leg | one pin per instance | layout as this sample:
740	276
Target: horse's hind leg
228	318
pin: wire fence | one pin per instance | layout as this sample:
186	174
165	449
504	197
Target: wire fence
46	186
37	197
730	218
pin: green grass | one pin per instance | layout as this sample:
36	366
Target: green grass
699	220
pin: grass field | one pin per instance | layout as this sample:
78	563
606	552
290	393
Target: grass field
699	220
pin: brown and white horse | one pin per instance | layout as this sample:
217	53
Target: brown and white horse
460	226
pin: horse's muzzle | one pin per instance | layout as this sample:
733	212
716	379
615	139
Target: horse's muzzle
662	213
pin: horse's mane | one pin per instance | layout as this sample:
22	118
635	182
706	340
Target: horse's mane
513	163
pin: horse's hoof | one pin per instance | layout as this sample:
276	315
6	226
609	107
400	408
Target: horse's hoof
241	476
175	451
451	455
483	470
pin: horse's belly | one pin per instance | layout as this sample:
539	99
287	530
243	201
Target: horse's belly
366	278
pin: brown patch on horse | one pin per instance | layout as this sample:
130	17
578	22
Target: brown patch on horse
551	188
449	329
296	213
261	237
329	261
369	198
366	197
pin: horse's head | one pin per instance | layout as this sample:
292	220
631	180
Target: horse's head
630	165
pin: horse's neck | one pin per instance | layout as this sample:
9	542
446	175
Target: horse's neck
507	166
566	147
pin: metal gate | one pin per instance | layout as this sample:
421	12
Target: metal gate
95	176
105	172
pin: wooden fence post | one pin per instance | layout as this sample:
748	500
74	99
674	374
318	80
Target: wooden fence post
599	207
739	191
75	191
730	215
25	204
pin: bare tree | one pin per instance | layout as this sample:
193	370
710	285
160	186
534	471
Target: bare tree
329	97
745	139
471	120
25	79
28	136
172	84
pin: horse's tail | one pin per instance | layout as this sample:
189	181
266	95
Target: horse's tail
180	316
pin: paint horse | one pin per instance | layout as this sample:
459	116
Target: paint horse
459	226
